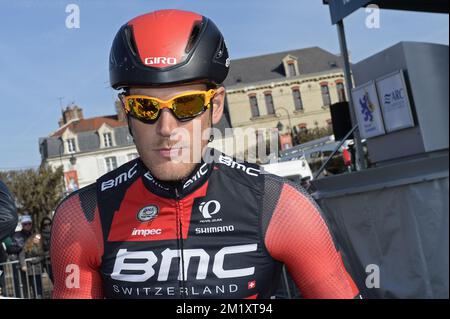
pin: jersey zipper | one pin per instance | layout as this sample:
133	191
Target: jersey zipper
179	214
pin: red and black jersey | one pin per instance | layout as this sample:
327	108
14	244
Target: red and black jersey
223	232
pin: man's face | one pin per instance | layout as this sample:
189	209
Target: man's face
160	142
27	226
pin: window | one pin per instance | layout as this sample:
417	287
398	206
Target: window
269	103
71	145
297	99
325	94
291	69
107	139
254	105
341	91
132	156
111	163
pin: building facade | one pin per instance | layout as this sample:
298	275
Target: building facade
294	88
87	148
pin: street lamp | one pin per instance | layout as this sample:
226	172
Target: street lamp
280	125
288	115
72	160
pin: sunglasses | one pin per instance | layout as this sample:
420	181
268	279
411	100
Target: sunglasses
184	107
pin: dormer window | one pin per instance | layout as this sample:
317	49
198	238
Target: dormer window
69	141
71	145
291	69
105	133
290	63
107	139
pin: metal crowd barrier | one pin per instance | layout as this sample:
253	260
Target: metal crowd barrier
34	284
37	284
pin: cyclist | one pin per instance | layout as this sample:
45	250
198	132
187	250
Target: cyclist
206	227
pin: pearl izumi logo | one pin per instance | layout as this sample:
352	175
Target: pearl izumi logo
208	209
147	213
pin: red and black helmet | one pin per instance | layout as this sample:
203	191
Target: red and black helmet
168	47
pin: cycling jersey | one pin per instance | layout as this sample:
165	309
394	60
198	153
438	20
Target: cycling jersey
223	232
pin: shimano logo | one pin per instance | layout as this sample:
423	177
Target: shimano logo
205	209
201	172
138	266
146	232
213	230
160	60
229	162
113	182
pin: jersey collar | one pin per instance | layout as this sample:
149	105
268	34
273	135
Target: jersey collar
179	189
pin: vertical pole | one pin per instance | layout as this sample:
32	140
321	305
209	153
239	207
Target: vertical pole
360	163
286	283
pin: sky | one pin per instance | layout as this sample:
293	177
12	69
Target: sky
41	60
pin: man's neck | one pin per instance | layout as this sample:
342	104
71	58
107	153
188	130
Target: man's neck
182	187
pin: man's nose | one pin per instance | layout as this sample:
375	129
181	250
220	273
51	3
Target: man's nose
166	123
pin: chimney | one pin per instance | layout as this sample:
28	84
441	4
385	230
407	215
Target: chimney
71	113
121	116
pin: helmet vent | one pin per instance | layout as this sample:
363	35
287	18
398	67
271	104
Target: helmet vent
194	36
220	49
130	41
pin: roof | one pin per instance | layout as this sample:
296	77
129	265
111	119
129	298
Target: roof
89	125
270	66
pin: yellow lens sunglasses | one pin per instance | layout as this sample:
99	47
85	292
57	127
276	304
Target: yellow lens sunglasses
184	106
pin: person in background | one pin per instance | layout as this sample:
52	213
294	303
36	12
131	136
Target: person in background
14	249
45	229
34	249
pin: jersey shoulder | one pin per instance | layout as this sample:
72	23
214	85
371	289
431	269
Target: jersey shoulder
82	201
120	177
243	172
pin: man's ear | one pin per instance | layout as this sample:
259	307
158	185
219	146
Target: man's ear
218	105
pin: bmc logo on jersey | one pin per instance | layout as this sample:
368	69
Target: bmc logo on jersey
160	60
229	162
141	264
123	177
201	172
209	208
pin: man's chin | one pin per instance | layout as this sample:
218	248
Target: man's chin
170	172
